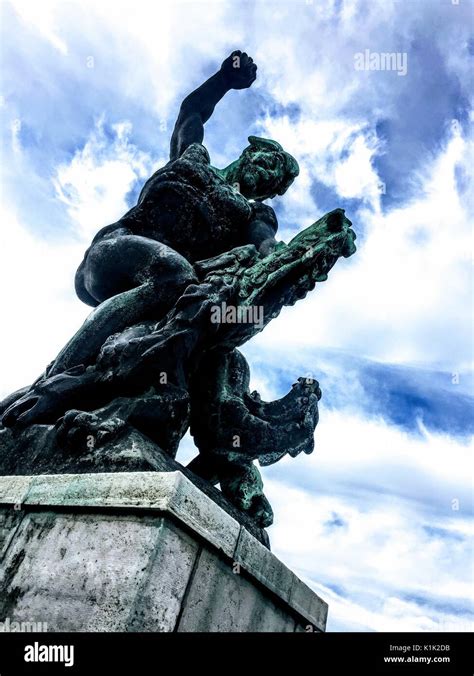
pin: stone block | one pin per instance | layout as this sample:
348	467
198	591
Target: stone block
139	551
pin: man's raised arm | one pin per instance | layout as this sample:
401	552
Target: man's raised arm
238	71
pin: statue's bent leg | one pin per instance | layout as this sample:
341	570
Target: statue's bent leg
218	417
133	278
233	427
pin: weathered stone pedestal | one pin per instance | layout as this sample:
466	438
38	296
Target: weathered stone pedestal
139	551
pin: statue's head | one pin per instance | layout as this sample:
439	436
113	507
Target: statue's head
263	170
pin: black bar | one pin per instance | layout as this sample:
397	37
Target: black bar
313	653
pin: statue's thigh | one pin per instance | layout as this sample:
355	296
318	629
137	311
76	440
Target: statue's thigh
125	262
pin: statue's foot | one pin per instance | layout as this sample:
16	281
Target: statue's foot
82	432
243	486
256	506
261	511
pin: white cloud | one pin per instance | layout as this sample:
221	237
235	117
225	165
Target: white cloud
338	153
39	306
404	296
399	558
152	43
355	454
94	184
41	17
38	276
15	128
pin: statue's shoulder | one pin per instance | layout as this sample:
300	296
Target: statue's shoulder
185	168
196	152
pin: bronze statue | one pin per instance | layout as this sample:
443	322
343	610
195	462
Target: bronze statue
187	211
149	357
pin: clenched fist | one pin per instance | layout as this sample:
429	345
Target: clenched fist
239	70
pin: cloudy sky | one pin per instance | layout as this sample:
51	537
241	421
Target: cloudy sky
379	519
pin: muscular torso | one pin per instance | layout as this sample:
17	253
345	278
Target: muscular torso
189	207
